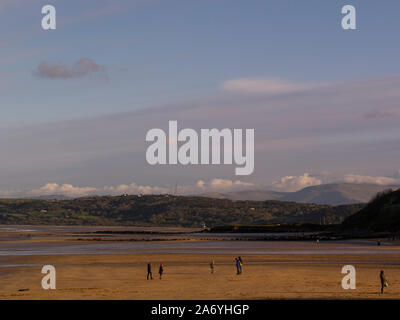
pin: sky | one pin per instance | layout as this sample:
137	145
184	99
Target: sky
76	102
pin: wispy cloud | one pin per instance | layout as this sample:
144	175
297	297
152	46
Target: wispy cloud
81	68
265	86
355	178
379	114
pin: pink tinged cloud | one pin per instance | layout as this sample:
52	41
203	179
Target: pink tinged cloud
79	69
265	86
355	178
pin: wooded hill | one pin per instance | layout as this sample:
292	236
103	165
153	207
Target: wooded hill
381	214
167	210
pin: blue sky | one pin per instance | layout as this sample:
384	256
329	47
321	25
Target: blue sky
160	54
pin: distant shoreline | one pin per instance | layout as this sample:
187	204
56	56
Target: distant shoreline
297	232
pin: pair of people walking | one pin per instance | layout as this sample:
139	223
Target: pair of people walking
150	273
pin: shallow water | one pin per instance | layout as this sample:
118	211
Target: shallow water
35	240
190	247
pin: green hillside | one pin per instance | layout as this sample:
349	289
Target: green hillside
166	210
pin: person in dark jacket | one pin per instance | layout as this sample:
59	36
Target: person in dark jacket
384	282
161	270
237	265
149	273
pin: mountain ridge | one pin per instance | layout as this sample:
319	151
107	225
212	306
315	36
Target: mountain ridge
329	194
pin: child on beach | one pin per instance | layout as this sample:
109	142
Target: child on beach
384	282
161	270
212	266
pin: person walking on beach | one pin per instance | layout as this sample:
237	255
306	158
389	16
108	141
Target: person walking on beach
212	266
384	282
161	270
149	273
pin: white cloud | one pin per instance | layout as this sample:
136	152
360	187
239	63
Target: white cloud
74	191
223	185
64	189
133	188
215	185
264	85
355	178
295	183
287	183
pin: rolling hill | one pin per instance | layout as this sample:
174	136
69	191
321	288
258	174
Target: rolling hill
330	194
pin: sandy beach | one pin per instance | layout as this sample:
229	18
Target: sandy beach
115	267
187	276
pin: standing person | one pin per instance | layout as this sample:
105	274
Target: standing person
212	266
237	265
240	264
161	270
149	273
384	282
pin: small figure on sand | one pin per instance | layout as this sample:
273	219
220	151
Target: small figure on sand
238	265
149	273
161	270
212	266
384	282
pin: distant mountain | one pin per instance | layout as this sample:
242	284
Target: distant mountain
380	214
336	193
331	194
251	195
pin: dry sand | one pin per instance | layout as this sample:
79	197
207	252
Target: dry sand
187	276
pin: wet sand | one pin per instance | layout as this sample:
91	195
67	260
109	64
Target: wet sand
187	276
115	266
